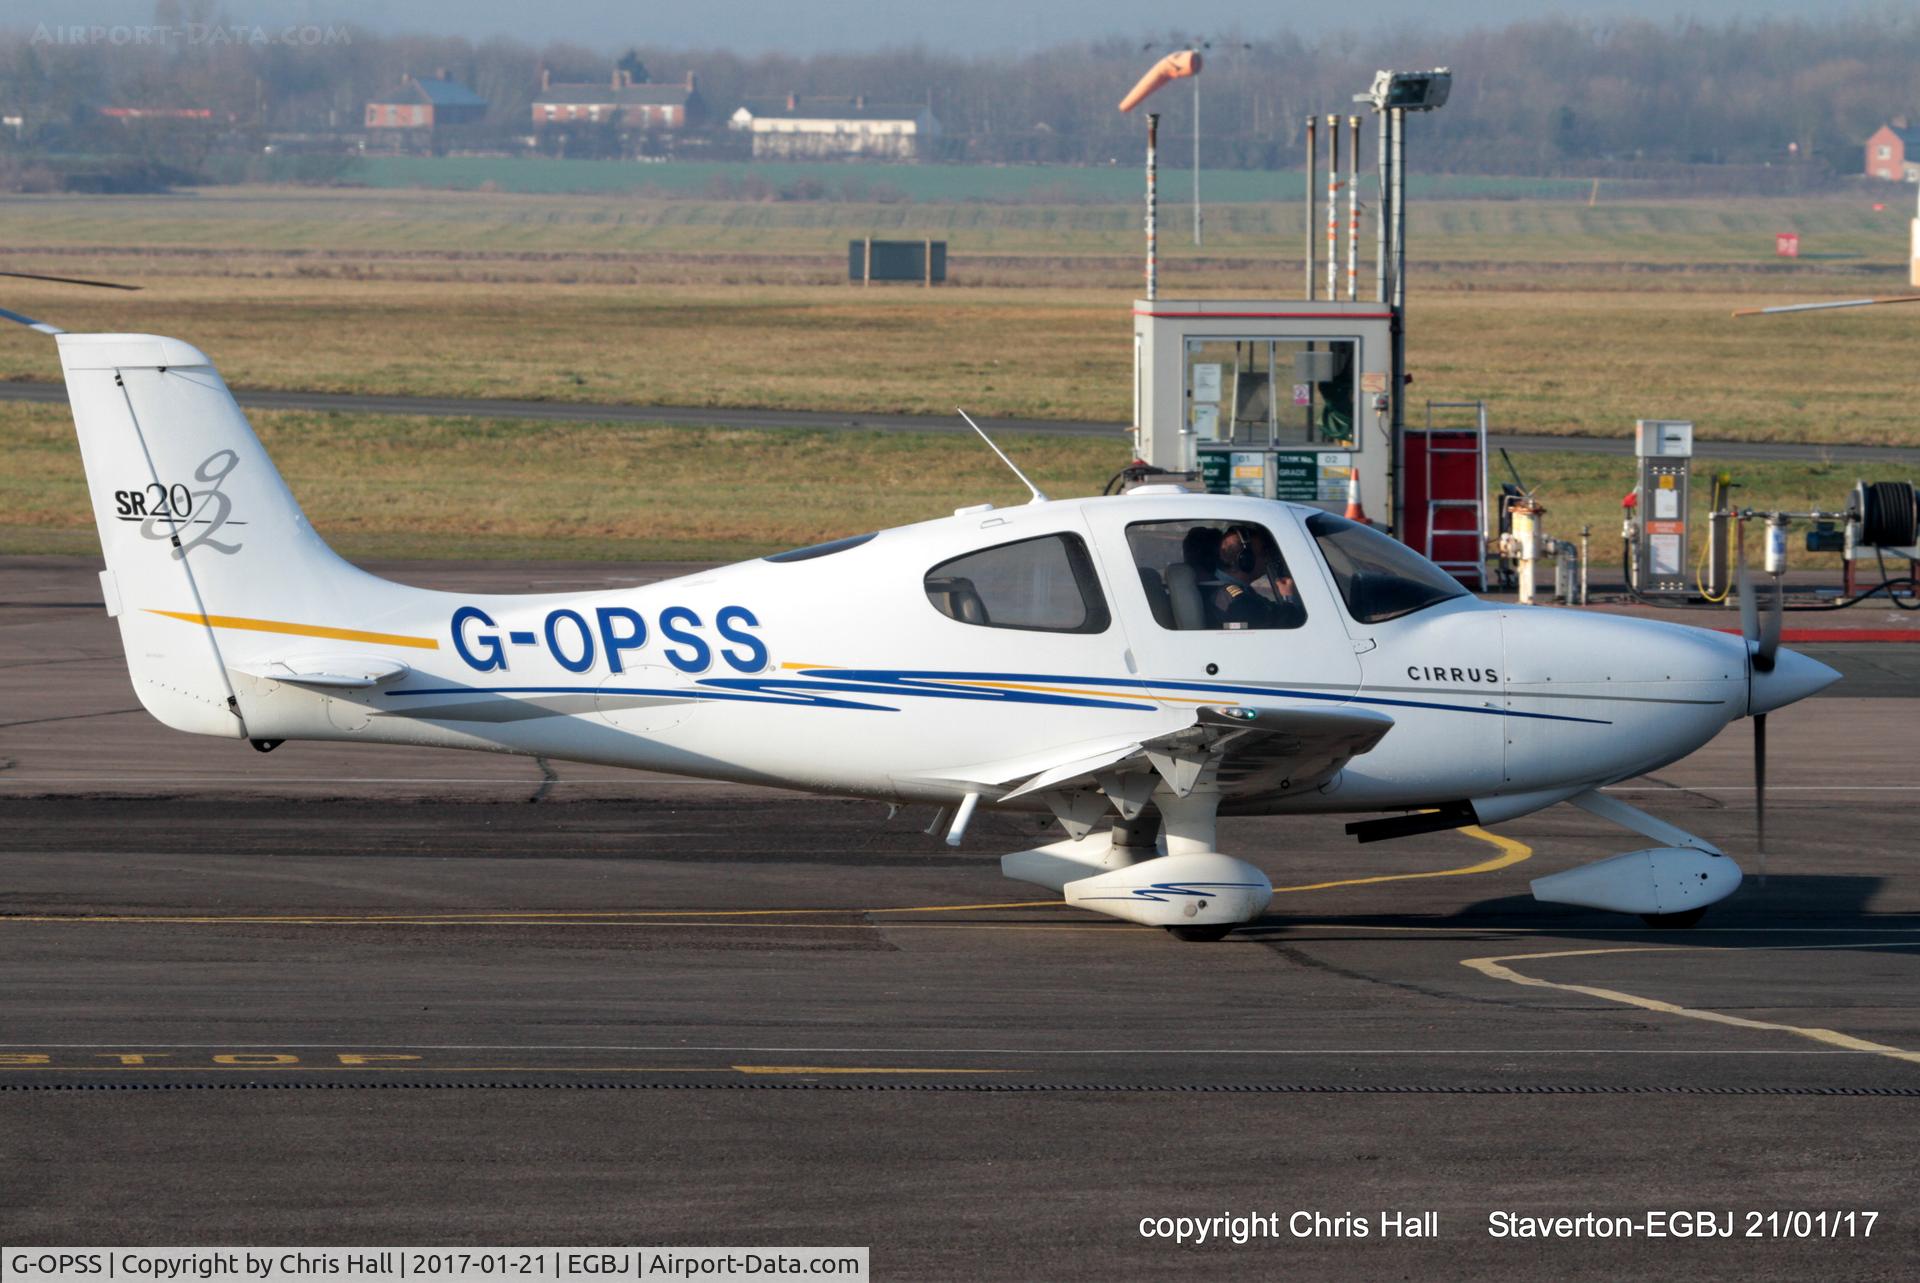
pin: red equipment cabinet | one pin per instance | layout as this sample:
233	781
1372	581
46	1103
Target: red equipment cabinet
1444	493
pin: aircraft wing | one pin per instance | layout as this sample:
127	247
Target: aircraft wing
1241	751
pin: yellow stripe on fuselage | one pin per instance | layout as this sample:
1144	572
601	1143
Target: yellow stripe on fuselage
298	630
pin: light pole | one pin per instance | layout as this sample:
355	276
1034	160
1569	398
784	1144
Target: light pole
1394	94
1196	161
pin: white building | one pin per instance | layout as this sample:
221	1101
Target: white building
799	128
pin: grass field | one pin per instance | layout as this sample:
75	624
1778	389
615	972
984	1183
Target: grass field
1484	235
1586	362
499	488
461	488
1050	184
1568	319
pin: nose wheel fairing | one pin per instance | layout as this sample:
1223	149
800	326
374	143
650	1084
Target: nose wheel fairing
1669	885
1660	882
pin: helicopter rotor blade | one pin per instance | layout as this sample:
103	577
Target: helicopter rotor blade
69	280
1825	307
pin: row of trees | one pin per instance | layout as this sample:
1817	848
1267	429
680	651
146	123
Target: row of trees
1538	97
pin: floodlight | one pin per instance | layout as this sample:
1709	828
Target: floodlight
1410	90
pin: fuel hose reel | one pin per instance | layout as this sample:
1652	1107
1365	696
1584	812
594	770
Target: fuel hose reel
1889	513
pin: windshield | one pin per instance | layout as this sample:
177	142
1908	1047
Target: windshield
1379	577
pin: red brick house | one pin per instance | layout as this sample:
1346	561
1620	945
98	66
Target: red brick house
426	104
617	99
1893	153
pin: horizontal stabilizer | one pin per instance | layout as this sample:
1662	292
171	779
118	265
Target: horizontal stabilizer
340	672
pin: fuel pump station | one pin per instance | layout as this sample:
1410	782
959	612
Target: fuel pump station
1881	520
1278	399
1664	451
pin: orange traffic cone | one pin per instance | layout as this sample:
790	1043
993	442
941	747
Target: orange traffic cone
1354	511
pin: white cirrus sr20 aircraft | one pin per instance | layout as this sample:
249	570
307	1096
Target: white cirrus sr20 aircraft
1136	665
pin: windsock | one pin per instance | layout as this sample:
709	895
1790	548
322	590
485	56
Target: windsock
1172	67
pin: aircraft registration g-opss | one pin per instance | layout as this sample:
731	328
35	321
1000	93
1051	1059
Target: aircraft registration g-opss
1134	665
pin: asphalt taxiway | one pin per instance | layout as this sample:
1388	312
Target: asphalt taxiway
366	995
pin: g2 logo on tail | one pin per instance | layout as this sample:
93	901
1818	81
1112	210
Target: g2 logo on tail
578	644
166	511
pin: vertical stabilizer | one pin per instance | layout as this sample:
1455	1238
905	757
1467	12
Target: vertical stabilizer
195	523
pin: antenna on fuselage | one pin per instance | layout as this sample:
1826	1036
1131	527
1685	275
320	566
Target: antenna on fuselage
1039	495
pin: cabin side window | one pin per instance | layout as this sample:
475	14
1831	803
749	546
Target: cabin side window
1039	585
1225	575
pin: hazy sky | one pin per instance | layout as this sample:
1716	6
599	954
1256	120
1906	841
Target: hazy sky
814	26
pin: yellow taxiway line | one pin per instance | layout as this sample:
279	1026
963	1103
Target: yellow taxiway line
1511	852
523	917
795	1070
853	1069
1496	968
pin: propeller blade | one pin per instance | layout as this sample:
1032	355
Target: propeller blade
1770	626
1762	634
68	280
1760	792
1749	608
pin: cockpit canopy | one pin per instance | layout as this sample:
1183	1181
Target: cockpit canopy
1193	574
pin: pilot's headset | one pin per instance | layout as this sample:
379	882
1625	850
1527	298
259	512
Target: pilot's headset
1244	562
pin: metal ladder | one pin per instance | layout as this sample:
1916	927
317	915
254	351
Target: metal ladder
1460	567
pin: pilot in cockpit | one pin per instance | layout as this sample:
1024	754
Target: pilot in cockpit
1255	590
